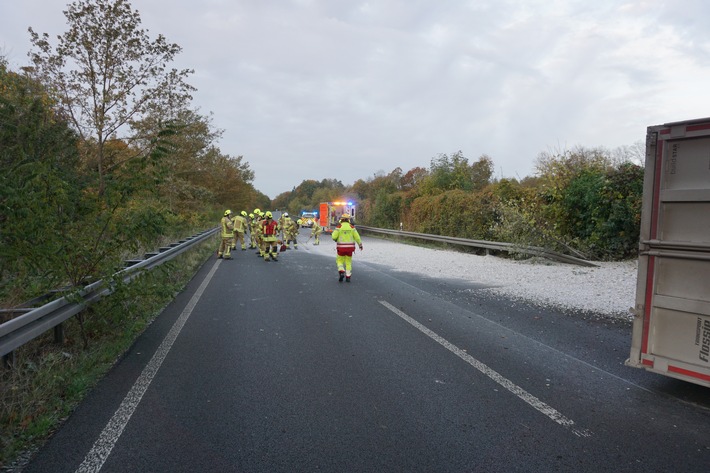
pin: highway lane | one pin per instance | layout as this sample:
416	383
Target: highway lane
278	367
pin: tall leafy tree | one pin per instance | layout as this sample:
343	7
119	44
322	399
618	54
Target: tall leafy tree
108	75
110	83
197	175
481	172
40	186
448	173
413	178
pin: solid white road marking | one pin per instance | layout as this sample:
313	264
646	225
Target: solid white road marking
98	454
495	376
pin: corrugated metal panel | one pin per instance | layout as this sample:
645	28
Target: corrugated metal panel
672	327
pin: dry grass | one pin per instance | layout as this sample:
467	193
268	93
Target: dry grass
48	380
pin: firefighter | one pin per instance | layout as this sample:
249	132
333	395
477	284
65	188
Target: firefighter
316	230
257	231
293	233
240	228
282	218
270	236
252	232
285	228
345	236
227	236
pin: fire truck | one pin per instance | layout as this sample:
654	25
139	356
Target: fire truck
329	213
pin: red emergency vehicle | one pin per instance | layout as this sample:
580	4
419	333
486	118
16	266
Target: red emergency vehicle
329	213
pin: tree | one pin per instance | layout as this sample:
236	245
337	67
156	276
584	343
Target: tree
448	173
592	198
108	76
481	172
386	210
282	200
396	178
306	189
604	210
388	183
413	178
333	184
108	84
361	189
40	185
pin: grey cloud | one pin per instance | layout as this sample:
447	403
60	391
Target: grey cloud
313	89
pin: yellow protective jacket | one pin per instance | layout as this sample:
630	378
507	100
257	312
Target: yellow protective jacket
240	224
292	229
345	237
254	225
227	227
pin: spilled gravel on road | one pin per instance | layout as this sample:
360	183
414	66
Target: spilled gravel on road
607	290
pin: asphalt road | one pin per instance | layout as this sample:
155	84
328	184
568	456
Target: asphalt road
278	367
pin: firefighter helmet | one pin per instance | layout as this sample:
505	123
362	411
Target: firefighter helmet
244	213
251	216
257	211
345	217
299	221
227	212
268	214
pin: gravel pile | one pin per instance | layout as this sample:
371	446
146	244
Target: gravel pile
608	290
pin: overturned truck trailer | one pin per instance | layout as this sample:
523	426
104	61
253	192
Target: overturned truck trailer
671	331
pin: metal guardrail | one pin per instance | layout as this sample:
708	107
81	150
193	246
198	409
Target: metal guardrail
35	322
28	326
490	245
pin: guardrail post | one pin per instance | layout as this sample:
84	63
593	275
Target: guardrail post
9	360
59	334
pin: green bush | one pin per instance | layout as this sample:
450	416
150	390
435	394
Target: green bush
454	213
386	211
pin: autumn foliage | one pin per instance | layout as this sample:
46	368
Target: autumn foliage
584	202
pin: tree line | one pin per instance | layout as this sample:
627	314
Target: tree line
581	201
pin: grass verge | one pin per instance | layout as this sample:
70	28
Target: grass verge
49	380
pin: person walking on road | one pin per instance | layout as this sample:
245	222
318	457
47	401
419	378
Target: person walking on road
345	237
270	237
227	234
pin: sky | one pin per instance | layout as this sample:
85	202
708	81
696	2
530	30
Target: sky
349	89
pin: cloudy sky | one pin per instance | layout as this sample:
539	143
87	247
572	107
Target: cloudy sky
346	89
